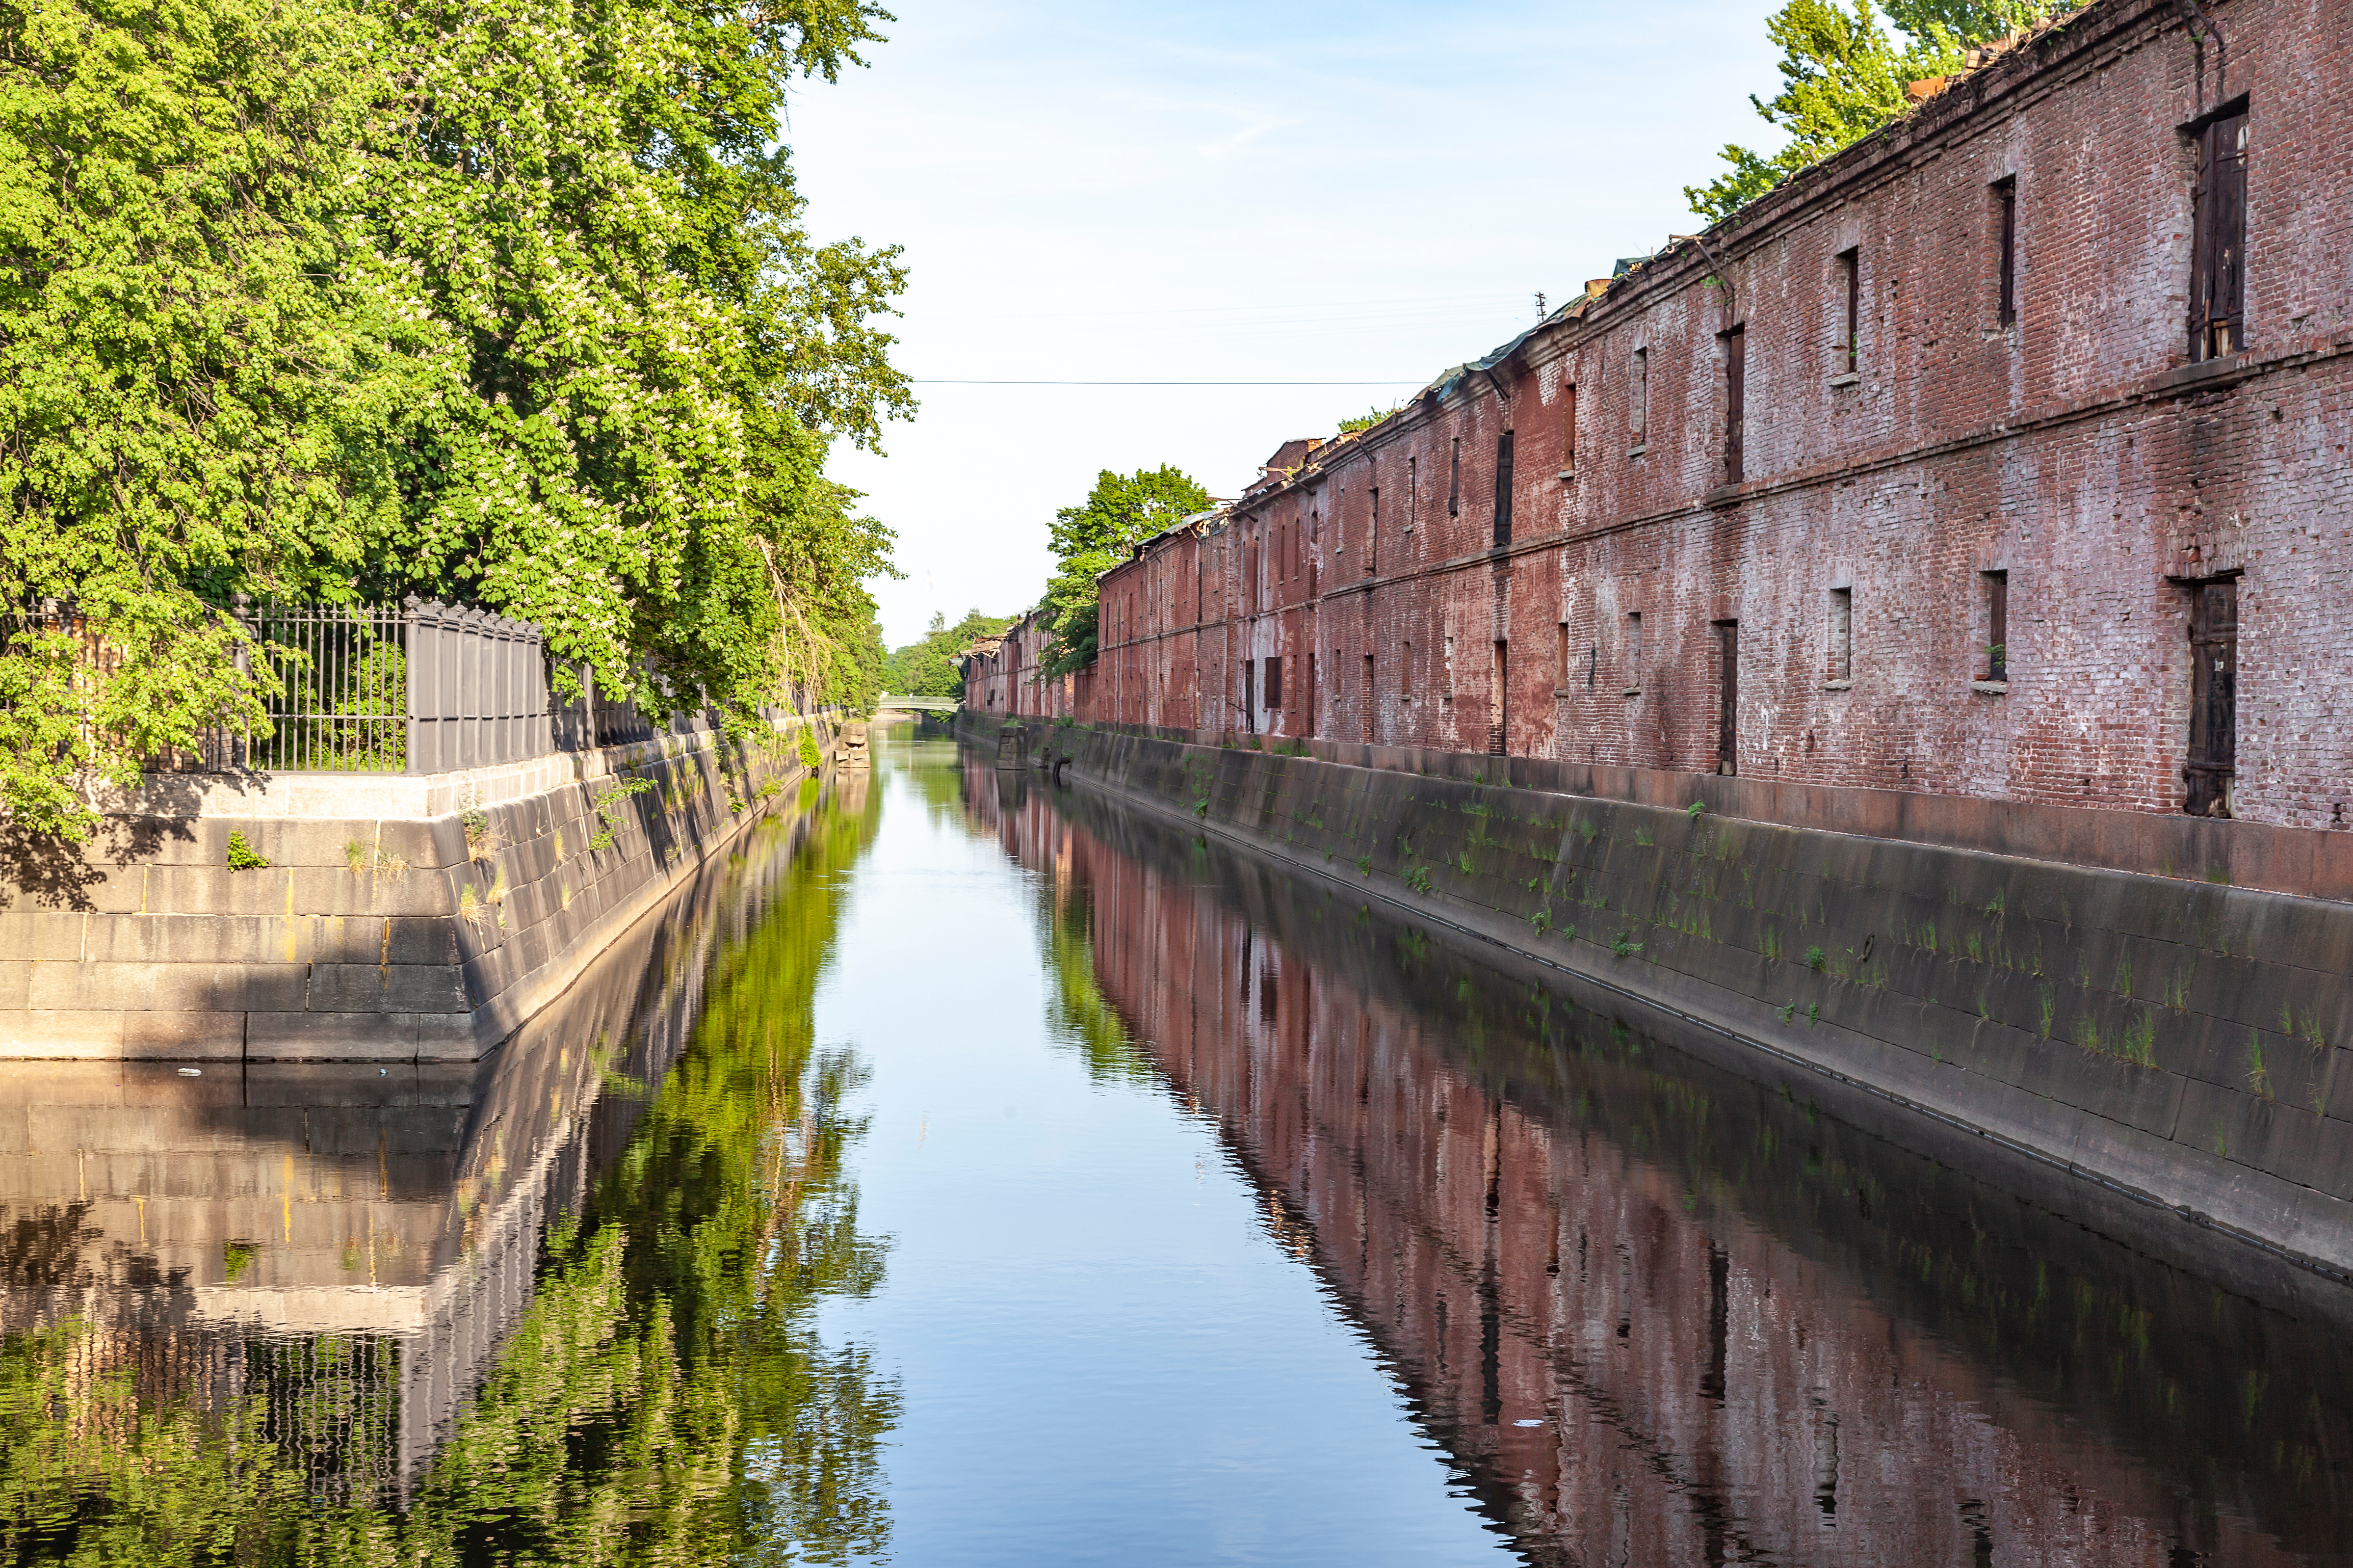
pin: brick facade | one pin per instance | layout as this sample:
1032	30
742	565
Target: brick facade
2078	459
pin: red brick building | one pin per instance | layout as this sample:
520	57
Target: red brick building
2003	455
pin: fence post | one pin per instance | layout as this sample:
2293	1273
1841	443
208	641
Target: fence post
241	747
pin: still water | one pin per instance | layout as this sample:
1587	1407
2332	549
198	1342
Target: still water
973	1172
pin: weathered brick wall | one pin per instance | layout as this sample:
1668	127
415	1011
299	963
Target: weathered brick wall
2076	449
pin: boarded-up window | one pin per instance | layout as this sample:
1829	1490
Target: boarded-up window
2005	213
2218	250
1846	356
1997	598
1274	684
1503	490
1736	363
2213	697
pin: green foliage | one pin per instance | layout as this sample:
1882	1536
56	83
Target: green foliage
1843	76
927	668
508	302
1364	421
1122	511
1816	959
243	856
609	802
806	750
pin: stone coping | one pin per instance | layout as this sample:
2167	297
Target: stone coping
418	798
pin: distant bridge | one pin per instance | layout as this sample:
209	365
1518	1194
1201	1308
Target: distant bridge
927	704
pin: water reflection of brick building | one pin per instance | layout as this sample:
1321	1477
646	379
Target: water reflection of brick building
1640	1307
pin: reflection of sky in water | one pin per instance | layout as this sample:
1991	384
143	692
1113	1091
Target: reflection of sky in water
1104	1354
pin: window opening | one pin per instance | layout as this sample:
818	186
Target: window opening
1455	479
1404	672
1634	652
1997	598
1372	528
1274	685
1846	355
2218	281
1498	691
1727	712
1640	407
1735	360
1249	688
2213	697
1372	698
1560	661
1568	427
1503	490
1841	634
2005	198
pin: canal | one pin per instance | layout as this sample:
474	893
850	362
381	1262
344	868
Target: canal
971	1171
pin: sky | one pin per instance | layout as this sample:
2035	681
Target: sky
1268	193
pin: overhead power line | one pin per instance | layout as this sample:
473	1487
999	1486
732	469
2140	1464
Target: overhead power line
929	381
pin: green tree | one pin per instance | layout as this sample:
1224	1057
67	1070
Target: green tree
1843	76
196	365
509	302
927	668
1122	511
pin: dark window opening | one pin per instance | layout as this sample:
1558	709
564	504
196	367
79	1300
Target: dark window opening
1455	479
1634	651
2218	246
1849	356
1372	528
1503	490
1250	683
1568	427
2005	199
1309	694
2213	697
1560	659
1841	634
1997	597
1273	685
1735	361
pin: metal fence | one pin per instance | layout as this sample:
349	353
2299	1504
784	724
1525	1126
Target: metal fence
427	687
336	689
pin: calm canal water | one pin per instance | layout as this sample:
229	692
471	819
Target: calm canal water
972	1171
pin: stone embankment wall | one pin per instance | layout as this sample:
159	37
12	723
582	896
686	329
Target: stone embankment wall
395	918
2181	1041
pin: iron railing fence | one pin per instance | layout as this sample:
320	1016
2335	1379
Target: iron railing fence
336	691
423	687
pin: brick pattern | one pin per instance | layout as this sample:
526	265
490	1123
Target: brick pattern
2076	449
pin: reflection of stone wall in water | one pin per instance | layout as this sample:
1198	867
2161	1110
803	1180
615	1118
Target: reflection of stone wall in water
1682	1276
347	1244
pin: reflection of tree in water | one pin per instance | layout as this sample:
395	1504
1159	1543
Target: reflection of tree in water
665	1398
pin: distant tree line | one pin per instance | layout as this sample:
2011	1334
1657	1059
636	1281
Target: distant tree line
927	667
508	301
